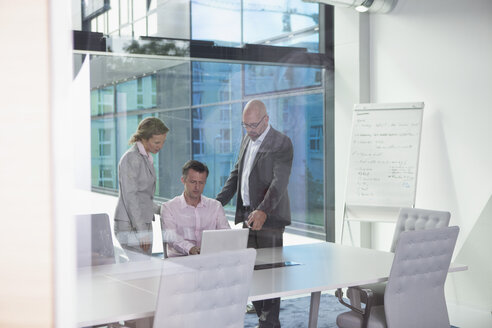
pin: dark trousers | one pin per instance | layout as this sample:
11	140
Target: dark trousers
267	310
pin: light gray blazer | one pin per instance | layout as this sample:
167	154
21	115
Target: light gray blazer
136	208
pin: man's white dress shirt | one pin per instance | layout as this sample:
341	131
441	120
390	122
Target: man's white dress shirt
183	224
249	158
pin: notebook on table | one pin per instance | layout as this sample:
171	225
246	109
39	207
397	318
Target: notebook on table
214	241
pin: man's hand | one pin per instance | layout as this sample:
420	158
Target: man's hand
256	219
194	250
145	243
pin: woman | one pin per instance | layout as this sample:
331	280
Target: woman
136	208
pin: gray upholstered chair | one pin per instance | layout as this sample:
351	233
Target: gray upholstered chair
205	290
409	219
414	295
94	240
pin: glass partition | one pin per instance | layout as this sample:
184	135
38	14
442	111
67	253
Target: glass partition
201	101
291	23
194	64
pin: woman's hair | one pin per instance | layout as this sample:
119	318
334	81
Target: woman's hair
147	128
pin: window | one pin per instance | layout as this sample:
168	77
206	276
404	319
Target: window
105	142
197	114
315	135
201	99
136	94
106	176
225	141
238	22
197	97
224	95
225	114
198	143
102	101
153	91
212	133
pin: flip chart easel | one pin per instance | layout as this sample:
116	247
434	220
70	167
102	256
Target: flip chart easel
383	162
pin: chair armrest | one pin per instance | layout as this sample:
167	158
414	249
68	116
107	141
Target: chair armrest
377	294
365	293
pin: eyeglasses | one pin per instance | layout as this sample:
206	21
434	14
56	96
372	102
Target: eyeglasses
252	125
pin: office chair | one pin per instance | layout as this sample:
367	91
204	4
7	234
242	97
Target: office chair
409	219
205	290
94	244
94	240
414	295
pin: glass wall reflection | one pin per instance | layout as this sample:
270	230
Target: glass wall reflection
146	70
292	23
201	102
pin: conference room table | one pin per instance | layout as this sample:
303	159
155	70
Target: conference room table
128	291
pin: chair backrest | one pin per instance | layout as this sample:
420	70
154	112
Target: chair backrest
208	290
94	240
414	295
418	219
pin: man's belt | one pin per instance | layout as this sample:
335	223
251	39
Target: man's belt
247	209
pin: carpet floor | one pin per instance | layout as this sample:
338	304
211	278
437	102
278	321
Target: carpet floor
294	313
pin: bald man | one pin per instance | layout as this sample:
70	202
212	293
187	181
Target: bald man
260	178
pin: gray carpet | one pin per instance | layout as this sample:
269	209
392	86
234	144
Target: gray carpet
294	313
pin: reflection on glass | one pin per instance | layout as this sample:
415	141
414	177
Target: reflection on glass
264	78
201	103
136	94
102	101
140	27
216	138
139	9
215	82
280	18
305	40
226	15
292	23
238	22
124	13
113	17
103	153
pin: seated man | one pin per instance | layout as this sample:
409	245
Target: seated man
184	217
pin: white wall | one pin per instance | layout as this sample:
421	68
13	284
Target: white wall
26	172
439	52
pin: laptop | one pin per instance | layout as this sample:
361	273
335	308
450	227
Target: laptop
214	241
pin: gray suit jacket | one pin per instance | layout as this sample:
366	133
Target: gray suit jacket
136	207
268	180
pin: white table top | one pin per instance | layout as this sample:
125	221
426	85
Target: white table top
323	266
127	291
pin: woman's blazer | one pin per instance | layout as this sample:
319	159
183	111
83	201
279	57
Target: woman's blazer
137	179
